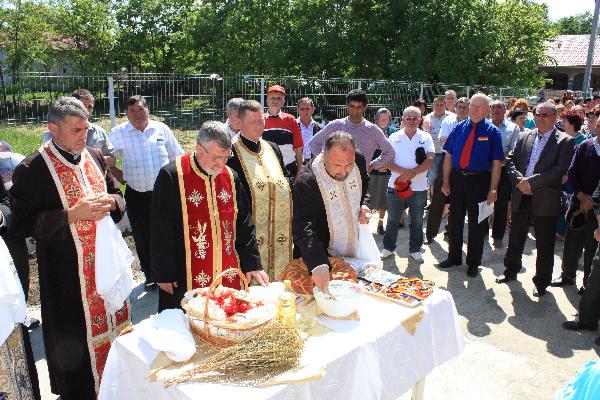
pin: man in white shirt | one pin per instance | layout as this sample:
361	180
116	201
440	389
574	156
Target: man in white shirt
308	126
145	146
233	122
414	152
432	123
510	133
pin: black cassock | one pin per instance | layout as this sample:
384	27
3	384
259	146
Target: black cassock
167	240
39	213
309	224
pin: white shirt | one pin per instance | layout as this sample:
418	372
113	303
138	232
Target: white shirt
144	153
229	130
405	155
435	125
307	134
509	133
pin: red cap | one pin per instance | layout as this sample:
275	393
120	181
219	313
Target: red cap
276	88
402	189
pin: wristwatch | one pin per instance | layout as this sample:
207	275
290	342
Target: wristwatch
493	191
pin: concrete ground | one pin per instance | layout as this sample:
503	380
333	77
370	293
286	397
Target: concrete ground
516	347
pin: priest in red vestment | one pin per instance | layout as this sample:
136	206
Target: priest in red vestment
58	194
201	221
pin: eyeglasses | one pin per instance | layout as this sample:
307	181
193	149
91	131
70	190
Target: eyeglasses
216	158
544	115
411	118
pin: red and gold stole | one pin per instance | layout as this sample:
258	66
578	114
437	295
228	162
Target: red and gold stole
209	210
74	182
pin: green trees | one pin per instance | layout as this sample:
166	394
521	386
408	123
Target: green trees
580	24
469	41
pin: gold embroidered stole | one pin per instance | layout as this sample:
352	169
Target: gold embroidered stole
14	373
74	182
342	206
209	211
271	206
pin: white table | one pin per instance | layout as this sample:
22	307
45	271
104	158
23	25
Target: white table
374	358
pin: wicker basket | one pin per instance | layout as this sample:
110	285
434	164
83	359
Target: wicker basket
221	334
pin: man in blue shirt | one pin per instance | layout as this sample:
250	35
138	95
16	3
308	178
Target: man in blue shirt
471	174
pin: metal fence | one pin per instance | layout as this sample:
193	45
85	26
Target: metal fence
185	101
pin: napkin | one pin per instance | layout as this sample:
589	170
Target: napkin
168	331
13	308
114	278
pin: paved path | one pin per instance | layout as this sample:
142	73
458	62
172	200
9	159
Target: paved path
516	347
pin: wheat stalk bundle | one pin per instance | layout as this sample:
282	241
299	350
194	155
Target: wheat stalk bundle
272	351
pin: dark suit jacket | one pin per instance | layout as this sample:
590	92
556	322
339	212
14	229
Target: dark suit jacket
546	181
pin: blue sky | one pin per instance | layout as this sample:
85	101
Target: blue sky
564	8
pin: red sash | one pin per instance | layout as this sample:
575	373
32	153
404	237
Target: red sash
74	182
209	210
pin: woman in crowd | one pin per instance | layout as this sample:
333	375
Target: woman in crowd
523	104
519	118
378	182
571	122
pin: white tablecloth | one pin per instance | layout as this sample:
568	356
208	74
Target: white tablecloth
374	358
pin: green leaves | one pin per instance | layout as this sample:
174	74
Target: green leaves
465	41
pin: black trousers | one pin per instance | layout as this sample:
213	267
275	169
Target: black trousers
589	305
543	227
466	192
436	207
138	211
501	205
578	242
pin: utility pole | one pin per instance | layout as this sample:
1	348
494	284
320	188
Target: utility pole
590	57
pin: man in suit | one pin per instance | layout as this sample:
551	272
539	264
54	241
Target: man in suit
535	167
589	305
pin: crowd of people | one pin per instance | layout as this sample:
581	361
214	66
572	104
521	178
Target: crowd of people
281	196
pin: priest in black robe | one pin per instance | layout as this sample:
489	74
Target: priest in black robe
75	357
336	172
172	253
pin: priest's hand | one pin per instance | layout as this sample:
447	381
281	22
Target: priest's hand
260	276
88	209
365	214
168	287
106	199
320	277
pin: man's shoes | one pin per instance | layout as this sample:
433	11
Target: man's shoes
34	323
497	243
473	271
400	225
428	241
380	230
581	291
417	256
539	292
149	285
385	253
562	280
447	264
505	278
576	325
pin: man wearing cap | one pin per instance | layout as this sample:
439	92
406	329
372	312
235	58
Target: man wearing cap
471	174
282	129
536	167
414	156
367	136
584	174
589	305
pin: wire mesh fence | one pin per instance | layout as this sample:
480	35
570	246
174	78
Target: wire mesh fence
185	101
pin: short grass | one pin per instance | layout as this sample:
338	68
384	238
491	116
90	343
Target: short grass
25	139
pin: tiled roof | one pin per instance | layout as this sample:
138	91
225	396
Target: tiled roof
571	51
